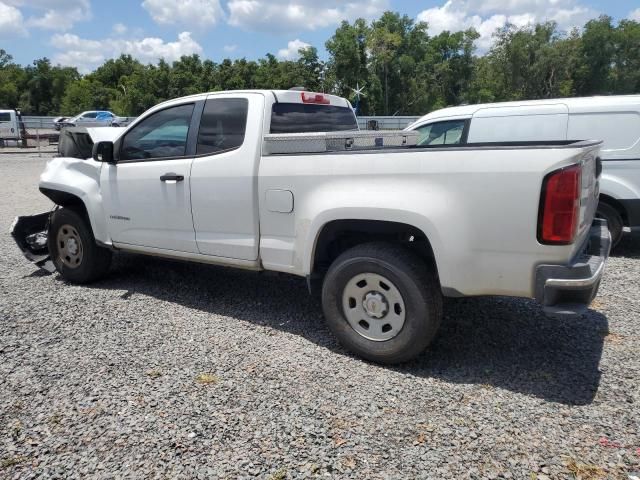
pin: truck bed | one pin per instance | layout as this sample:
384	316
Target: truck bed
385	141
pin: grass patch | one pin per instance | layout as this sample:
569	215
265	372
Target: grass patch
279	474
11	461
207	379
55	419
584	471
154	373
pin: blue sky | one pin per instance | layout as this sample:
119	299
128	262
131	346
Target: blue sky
84	33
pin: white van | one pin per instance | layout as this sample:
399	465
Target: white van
9	127
613	119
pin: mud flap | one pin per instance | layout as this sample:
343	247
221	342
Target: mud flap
30	234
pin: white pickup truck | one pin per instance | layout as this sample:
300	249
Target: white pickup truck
383	232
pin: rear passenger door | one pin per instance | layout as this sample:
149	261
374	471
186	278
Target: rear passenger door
224	176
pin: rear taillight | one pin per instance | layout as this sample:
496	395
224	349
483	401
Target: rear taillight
560	206
309	97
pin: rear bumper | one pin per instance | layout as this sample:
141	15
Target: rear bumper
569	289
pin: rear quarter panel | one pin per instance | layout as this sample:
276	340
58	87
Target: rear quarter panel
477	207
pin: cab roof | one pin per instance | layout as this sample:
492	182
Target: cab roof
286	96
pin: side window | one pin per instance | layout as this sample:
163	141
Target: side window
90	115
5	117
162	134
441	133
223	125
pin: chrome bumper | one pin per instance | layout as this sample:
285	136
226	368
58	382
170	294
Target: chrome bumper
569	289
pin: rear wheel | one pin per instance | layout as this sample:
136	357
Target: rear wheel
382	302
73	248
614	221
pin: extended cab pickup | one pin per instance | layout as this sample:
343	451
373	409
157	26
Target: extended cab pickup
244	179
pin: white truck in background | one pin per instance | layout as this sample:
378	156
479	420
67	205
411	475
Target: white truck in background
12	131
613	119
380	228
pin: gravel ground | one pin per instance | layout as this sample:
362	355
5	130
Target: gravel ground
171	370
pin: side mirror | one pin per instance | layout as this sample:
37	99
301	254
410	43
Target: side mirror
103	152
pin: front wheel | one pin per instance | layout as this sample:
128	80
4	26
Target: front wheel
382	302
73	248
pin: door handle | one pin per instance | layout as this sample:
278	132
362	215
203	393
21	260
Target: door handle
171	177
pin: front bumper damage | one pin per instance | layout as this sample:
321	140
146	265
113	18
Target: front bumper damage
567	290
30	234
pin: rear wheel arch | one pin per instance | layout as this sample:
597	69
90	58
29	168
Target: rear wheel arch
337	236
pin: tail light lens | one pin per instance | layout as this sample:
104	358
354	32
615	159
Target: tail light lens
560	206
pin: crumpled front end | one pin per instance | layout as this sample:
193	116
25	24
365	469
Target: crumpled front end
30	234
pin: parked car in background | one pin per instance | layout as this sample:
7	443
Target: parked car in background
95	118
613	119
284	181
58	121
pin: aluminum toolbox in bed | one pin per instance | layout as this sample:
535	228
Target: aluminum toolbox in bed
291	143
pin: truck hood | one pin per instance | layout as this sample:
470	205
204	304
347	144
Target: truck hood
77	142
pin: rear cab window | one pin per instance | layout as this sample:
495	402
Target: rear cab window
310	117
5	116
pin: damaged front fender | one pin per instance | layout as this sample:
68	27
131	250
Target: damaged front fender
30	234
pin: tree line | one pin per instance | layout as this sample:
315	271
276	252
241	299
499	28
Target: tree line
402	69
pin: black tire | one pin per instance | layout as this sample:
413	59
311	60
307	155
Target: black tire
93	262
614	221
416	282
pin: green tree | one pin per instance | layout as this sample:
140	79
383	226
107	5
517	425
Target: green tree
597	51
86	94
626	71
347	64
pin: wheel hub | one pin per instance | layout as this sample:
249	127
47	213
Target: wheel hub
70	251
72	246
375	304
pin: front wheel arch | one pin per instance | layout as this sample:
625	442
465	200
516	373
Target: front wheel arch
70	200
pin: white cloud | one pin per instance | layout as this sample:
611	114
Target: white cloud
295	15
230	48
194	13
292	52
53	14
119	29
11	21
489	15
635	15
87	54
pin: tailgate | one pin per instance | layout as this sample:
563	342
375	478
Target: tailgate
590	191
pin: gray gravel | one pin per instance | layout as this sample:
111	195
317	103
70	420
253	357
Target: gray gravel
171	370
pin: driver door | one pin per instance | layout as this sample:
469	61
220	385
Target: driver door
146	193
